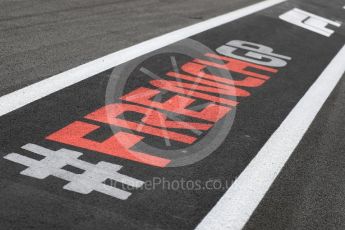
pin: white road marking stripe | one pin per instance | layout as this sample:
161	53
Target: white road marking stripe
236	206
26	95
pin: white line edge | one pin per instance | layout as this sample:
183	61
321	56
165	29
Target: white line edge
36	91
236	206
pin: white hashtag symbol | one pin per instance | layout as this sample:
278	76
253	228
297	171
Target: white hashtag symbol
92	179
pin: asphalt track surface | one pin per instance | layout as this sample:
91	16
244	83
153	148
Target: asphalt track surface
42	39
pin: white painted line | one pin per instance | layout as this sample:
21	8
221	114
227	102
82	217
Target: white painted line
24	96
236	206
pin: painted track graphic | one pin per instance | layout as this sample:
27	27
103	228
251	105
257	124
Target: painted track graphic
186	130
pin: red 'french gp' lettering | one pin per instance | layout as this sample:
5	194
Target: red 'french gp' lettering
109	115
117	145
176	104
188	89
196	69
233	65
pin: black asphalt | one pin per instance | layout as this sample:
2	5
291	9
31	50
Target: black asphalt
309	192
40	38
307	195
